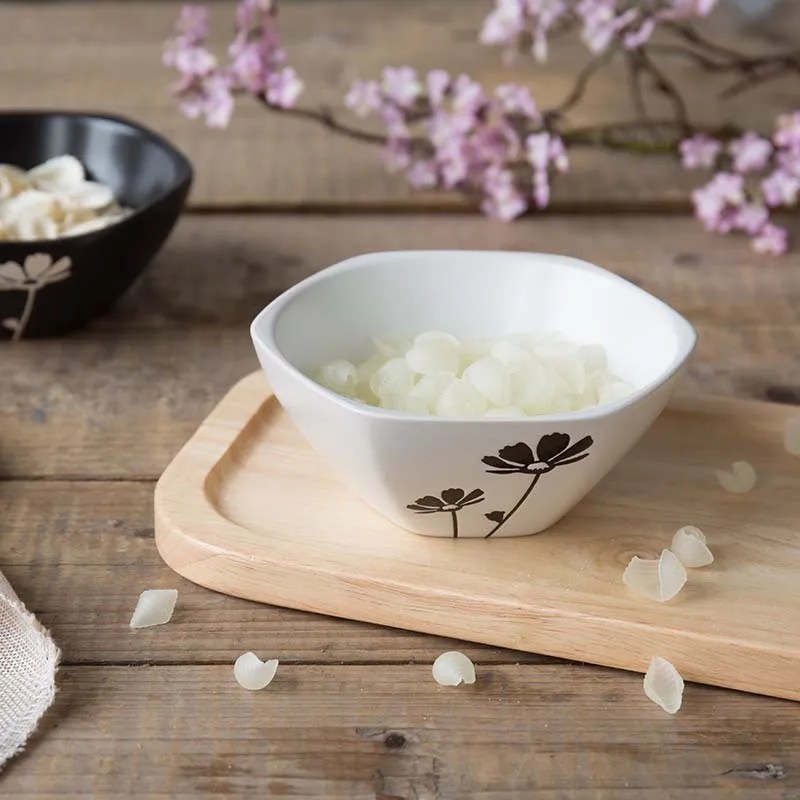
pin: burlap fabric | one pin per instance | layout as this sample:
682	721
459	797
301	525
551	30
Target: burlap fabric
28	661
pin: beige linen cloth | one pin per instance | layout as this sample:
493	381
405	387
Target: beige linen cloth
28	660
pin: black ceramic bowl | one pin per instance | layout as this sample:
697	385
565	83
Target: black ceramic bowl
52	287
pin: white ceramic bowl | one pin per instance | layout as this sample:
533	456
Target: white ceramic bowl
475	477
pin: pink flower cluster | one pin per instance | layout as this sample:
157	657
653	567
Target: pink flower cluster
257	63
754	176
448	132
601	21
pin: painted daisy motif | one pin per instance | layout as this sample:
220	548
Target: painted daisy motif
450	502
37	271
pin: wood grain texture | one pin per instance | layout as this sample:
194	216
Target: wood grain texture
80	553
361	733
249	509
107	56
120	400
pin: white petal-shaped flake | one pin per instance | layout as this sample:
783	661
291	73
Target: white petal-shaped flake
30	204
58	174
155	607
659	579
791	436
252	673
89	195
663	684
453	668
689	545
740	479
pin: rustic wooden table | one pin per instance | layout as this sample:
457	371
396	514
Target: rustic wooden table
89	422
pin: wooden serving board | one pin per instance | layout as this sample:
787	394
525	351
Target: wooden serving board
248	508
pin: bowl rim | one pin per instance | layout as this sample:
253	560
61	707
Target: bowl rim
263	325
185	170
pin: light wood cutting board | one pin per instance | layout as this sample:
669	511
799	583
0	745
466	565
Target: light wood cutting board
248	508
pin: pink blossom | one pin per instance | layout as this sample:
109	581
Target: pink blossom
504	23
751	218
193	23
728	187
636	38
249	67
789	161
454	164
541	188
750	152
516	99
437	83
494	144
772	240
363	97
502	199
191	61
249	11
780	188
397	155
537	148
601	22
444	127
423	175
558	154
401	85
212	98
395	122
699	151
708	207
787	131
284	88
468	96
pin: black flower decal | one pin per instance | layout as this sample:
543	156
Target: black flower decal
451	501
553	450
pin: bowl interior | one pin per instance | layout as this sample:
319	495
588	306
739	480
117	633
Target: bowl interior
137	165
335	313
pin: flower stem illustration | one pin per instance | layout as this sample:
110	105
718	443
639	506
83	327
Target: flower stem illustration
553	451
25	316
516	507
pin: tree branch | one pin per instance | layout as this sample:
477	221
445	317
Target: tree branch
667	87
581	83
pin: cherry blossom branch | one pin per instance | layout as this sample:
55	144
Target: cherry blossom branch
450	132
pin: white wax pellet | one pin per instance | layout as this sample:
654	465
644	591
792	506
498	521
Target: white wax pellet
393	378
429	388
507	412
460	399
340	376
511	353
514	376
532	385
436	336
434	355
491	378
614	390
593	357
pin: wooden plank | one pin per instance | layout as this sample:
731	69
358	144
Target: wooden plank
107	56
106	406
79	554
554	732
